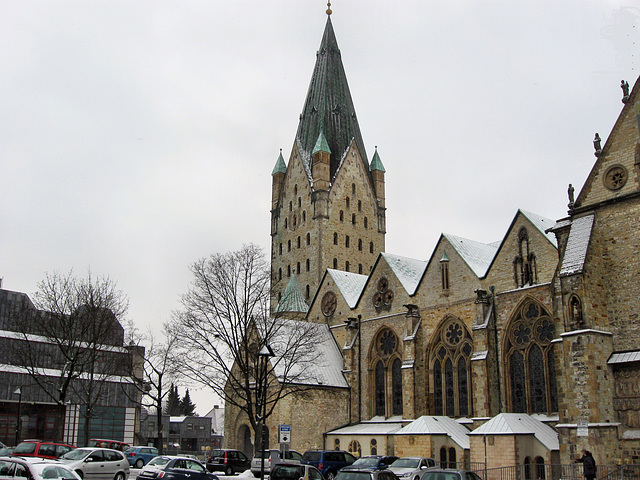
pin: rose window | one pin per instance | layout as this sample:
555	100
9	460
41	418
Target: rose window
387	343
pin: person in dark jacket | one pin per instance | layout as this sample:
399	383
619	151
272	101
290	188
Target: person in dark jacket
588	464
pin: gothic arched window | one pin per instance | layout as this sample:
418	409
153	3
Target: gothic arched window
450	357
530	361
386	374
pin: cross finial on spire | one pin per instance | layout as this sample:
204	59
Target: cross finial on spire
329	8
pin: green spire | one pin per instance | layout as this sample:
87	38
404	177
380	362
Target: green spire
292	299
280	167
376	163
321	144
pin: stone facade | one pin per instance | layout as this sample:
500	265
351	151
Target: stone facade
543	322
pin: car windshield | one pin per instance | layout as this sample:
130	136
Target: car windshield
263	454
49	471
353	476
440	476
366	462
25	447
406	463
311	456
287	472
159	461
77	454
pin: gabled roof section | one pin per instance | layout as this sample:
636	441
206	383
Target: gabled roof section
575	252
280	166
543	224
349	284
408	271
520	424
329	107
292	299
326	369
438	425
478	256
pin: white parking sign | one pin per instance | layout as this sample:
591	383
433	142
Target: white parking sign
285	434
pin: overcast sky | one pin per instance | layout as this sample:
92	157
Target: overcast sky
138	136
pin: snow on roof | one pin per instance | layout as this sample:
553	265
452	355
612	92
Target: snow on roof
520	424
349	284
625	357
408	270
543	224
438	425
327	358
576	251
366	428
476	254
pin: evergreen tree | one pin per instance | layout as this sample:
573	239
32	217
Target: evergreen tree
187	407
173	406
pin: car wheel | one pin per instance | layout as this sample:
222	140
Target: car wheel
228	471
330	476
80	473
119	476
139	463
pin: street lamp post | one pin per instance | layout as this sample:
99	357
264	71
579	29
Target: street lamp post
18	392
263	359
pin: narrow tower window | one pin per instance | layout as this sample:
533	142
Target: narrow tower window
335	238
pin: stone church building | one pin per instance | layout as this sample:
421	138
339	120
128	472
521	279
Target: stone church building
525	350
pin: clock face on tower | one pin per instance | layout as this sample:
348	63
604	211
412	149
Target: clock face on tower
328	304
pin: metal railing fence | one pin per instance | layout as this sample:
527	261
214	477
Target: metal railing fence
573	471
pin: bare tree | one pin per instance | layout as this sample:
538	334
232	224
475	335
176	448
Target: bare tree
67	338
224	324
156	372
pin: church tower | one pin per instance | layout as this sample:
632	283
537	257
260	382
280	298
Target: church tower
327	205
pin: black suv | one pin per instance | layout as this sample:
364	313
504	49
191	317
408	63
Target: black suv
328	461
228	461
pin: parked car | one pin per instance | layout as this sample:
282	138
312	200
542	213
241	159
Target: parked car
295	471
37	448
449	474
176	468
97	463
366	474
35	469
375	462
227	461
101	443
411	467
139	456
329	462
272	458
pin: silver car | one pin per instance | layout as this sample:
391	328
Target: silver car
411	467
35	469
97	463
271	459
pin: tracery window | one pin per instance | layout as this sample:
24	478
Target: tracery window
386	374
450	365
355	449
530	360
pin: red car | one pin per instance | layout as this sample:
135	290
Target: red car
37	448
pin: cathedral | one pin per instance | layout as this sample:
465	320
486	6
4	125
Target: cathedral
521	351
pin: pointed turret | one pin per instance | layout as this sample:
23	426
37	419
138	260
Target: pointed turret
377	172
328	107
292	301
277	175
321	163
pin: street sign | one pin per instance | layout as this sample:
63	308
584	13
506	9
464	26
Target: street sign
284	433
583	428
